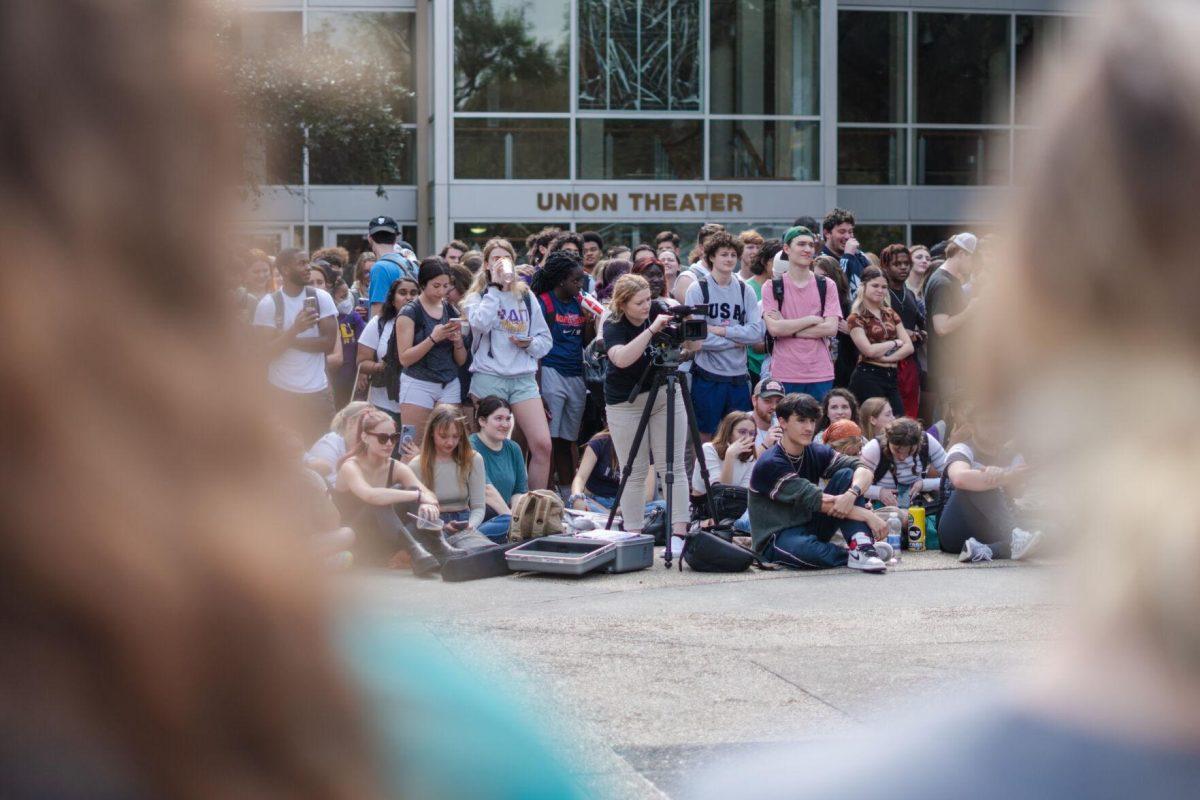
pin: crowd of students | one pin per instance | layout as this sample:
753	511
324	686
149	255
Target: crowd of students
486	375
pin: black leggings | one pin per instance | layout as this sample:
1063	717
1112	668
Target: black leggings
985	516
870	381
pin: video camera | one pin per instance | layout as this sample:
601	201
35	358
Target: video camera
682	328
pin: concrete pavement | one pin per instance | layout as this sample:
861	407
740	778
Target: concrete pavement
644	676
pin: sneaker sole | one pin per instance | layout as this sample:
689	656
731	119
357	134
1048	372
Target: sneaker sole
863	568
1034	541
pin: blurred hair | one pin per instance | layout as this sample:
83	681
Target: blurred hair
869	410
488	406
724	435
368	422
751	236
903	432
804	406
833	270
869	274
454	244
593	237
347	417
718	241
835	218
670	238
159	610
441	418
558	266
766	257
623	291
361	266
337	256
565	238
432	267
846	395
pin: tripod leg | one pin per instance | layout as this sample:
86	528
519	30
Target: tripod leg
643	423
698	445
669	473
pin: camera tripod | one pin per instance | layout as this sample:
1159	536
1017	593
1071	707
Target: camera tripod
665	374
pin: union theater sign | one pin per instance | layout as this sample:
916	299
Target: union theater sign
640	202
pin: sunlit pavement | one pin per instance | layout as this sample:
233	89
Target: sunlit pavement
643	677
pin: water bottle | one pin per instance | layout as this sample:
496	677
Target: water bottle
893	536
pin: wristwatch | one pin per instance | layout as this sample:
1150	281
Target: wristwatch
856	490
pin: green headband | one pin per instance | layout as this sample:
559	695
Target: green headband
799	230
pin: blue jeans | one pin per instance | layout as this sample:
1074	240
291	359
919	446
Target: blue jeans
496	528
817	390
807	546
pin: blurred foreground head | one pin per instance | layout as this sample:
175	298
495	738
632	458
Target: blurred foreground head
1090	338
161	632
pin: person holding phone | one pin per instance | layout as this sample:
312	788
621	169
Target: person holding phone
376	340
431	347
730	458
509	337
454	471
296	327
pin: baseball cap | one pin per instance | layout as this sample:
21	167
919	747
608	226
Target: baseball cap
769	387
382	224
967	241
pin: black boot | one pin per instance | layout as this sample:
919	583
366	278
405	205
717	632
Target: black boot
423	563
435	542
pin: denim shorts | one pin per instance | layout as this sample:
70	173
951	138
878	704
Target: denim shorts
511	388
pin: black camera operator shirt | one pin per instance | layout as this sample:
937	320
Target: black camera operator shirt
618	382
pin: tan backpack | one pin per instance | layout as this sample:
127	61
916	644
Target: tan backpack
537	513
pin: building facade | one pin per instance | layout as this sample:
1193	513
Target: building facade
633	116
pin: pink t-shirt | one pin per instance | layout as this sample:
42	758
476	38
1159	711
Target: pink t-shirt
798	360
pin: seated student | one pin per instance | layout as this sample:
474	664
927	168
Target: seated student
599	476
730	458
901	459
375	489
328	451
767	394
792	519
838	404
845	437
503	463
448	465
874	415
979	520
730	455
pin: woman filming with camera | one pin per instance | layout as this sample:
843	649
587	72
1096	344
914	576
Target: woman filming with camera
628	333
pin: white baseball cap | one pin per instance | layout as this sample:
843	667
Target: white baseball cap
967	241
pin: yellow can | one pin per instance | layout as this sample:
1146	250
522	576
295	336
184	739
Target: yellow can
916	528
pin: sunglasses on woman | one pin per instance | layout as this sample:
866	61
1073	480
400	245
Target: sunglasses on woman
386	438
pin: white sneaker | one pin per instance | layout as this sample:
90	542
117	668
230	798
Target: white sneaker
1024	543
884	551
975	551
865	559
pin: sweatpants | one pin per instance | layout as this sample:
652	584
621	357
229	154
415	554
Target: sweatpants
985	516
622	423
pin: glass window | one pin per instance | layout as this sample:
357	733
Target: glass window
631	234
1037	38
871	156
873	238
639	55
511	55
765	57
476	234
262	38
872	66
372	39
962	158
338	164
635	149
929	235
511	148
962	68
764	150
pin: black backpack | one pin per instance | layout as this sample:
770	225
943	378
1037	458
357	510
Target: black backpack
705	551
704	292
777	290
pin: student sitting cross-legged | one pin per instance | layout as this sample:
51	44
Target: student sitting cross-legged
792	519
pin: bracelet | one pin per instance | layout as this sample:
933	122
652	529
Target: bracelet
856	490
571	500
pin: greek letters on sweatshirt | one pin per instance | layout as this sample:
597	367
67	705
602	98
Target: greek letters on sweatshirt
498	315
735	306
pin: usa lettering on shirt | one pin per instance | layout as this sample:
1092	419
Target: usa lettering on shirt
724	313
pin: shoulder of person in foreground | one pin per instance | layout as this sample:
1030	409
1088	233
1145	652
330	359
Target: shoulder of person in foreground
430	716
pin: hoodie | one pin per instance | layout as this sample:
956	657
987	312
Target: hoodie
736	307
495	317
